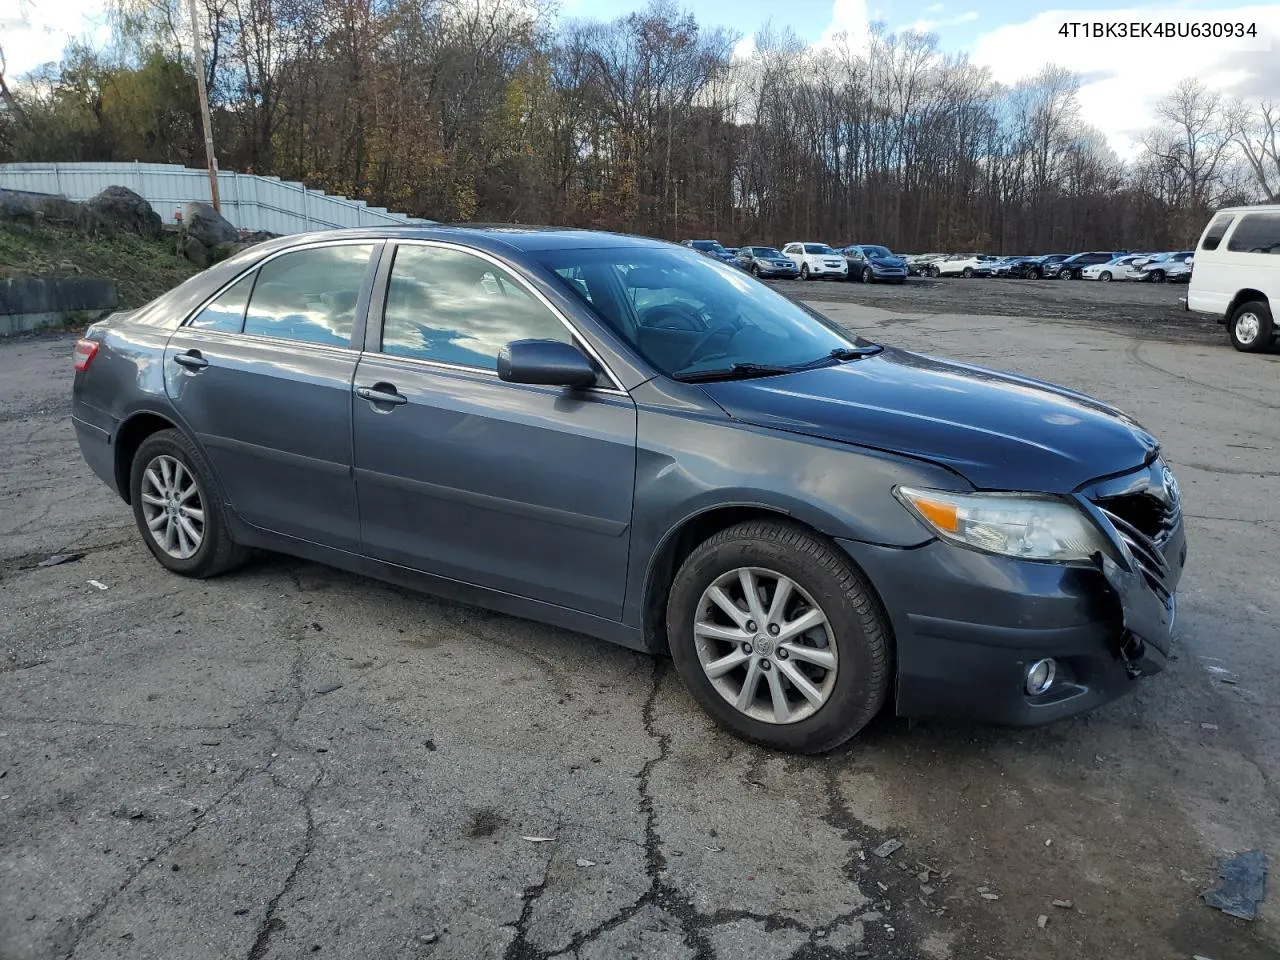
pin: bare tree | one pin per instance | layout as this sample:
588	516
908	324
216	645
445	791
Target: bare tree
1259	140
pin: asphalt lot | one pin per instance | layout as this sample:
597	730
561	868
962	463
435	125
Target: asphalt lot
291	761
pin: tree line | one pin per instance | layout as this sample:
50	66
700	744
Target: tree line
494	110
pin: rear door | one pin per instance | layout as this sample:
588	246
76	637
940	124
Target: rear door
519	488
262	376
1253	256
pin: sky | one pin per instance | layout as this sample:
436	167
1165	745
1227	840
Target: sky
1122	78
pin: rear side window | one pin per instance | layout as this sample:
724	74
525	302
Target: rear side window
226	313
309	296
1217	230
1256	233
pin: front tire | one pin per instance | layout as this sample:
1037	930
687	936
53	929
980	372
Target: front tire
1251	327
804	664
1157	276
177	505
1105	276
755	270
804	271
967	273
1034	273
867	275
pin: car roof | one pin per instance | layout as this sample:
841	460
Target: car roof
1255	208
520	237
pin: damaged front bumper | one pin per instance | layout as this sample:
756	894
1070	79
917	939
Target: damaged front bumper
967	626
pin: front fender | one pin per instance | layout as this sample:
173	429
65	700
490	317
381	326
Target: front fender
687	466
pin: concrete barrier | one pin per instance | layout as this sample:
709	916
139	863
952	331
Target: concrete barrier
30	303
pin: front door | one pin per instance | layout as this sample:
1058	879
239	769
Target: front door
519	488
262	376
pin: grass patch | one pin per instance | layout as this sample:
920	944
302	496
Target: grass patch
142	269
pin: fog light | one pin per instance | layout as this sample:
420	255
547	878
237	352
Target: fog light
1040	676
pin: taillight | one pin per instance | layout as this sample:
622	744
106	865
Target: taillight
86	350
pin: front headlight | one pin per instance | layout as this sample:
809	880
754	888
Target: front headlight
1016	525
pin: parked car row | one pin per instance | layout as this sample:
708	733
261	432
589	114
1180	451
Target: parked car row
1103	265
872	263
867	262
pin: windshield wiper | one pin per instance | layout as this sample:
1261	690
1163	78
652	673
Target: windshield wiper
843	353
735	371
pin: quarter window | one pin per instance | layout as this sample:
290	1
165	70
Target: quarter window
309	295
226	313
453	307
1256	233
1217	230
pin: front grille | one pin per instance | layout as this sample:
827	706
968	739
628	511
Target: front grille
1153	514
1144	520
1146	553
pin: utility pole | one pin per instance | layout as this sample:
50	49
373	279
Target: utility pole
204	107
677	210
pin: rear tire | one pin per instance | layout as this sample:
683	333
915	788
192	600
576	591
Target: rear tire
1157	276
1251	327
153	467
822	579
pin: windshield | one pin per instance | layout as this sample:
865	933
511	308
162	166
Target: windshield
687	314
766	253
707	245
817	248
877	251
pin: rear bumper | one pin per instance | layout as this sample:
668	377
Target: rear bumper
967	626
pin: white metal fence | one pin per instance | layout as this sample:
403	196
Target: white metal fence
250	202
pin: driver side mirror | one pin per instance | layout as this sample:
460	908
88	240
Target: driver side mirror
551	363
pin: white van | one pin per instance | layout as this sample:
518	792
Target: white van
1236	274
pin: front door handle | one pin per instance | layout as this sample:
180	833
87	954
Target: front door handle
381	393
192	360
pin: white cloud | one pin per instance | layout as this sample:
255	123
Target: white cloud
1123	78
928	26
934	8
850	17
745	48
35	32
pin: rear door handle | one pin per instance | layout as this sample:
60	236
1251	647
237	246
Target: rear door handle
381	393
192	360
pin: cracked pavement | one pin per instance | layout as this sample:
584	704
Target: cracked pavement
291	761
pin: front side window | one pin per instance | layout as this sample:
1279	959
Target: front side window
1256	233
1218	227
687	315
450	306
309	295
226	313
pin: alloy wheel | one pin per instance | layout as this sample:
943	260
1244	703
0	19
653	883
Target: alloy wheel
1247	328
765	645
173	507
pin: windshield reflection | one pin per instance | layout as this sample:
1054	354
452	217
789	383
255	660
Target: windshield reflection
686	314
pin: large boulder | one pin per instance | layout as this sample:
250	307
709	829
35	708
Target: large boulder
16	205
201	222
119	210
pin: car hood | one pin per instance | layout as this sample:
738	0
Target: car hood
998	430
888	261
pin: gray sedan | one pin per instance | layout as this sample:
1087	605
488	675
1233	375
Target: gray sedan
630	440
